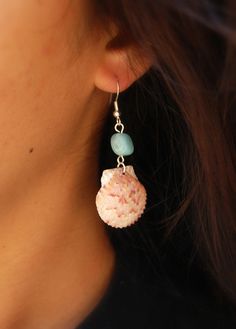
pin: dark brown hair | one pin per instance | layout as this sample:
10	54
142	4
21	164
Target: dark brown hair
184	124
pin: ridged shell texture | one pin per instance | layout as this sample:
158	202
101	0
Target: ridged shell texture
121	199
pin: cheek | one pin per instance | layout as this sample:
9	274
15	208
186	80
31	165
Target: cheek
35	54
38	82
27	39
27	62
35	45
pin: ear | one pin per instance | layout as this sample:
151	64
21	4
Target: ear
125	65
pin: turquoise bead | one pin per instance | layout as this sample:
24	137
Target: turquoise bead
122	144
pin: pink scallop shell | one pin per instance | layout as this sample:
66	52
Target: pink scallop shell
121	199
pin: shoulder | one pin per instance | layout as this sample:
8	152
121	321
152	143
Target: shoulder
137	300
152	304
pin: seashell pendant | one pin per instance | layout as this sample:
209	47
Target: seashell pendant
121	199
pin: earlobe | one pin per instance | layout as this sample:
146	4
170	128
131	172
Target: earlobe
121	65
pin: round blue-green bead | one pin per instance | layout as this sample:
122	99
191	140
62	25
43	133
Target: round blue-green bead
122	144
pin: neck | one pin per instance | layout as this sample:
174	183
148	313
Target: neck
55	257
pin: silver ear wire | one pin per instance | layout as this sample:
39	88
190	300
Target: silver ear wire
117	90
116	96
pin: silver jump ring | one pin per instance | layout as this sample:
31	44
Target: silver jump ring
118	124
120	162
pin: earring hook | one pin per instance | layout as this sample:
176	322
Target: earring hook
117	96
117	90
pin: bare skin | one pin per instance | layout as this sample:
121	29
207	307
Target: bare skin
55	82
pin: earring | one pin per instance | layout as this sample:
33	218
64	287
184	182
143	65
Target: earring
121	199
